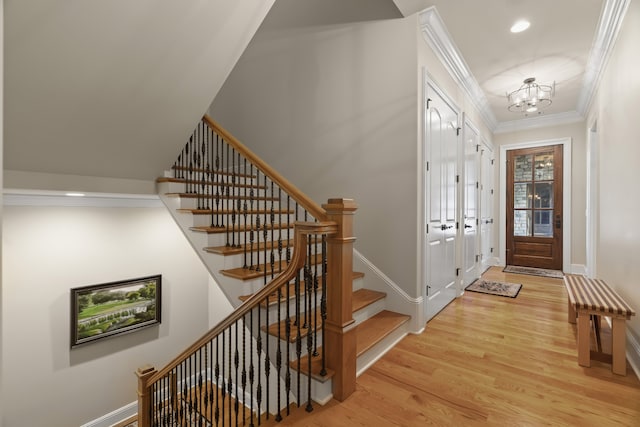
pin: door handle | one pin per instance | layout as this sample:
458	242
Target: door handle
468	226
444	227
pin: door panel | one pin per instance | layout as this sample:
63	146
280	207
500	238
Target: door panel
486	207
442	155
470	258
534	207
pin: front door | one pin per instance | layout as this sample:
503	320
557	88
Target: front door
442	157
534	207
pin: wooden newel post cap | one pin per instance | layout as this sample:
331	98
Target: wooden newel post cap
145	370
340	205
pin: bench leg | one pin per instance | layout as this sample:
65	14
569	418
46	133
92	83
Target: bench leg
619	346
596	331
571	312
584	332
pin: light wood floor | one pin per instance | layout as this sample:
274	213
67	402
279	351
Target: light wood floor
489	361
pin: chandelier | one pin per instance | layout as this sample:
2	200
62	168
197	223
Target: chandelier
531	97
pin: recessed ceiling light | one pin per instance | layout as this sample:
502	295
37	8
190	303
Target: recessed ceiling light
520	26
75	194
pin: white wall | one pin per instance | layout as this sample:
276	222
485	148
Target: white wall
334	109
1	163
48	250
578	134
616	111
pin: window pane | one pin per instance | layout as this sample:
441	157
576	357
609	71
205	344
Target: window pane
542	226
522	223
523	168
543	196
522	195
544	167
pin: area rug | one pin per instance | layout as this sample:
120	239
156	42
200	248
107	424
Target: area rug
502	289
554	274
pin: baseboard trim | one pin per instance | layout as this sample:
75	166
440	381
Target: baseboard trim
387	280
114	417
633	352
580	269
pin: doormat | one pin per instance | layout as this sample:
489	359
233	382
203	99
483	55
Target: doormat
554	274
502	289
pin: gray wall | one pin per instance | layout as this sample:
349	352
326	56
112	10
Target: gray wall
48	250
334	108
616	112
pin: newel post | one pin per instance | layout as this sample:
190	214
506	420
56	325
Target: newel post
144	395
340	329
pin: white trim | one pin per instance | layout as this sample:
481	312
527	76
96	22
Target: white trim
633	352
609	25
436	34
566	199
593	199
538	122
579	269
114	417
13	197
393	285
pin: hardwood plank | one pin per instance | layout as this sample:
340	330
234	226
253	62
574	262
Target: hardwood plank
489	361
364	297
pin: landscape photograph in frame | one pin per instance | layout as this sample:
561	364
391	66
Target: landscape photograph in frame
108	309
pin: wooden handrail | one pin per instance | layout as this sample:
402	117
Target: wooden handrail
301	229
312	207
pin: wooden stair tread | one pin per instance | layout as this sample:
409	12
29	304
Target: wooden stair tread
237	211
361	298
280	329
231	197
364	297
208	182
238	228
215	172
375	329
230	250
292	291
316	367
248	274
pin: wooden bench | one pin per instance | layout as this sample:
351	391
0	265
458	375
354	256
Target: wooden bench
592	298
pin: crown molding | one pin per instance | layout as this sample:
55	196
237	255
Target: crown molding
611	18
539	122
18	197
436	34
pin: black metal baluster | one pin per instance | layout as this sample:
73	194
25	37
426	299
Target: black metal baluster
236	362
216	211
298	339
244	208
251	195
227	196
251	369
232	198
259	351
223	388
244	368
267	361
217	381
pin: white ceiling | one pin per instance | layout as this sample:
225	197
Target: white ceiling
567	43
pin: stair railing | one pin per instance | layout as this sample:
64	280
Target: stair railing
216	376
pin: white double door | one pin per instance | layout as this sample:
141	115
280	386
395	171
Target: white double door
441	151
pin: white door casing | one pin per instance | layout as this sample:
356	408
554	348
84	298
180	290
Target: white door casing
487	165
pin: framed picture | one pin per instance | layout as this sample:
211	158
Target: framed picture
108	309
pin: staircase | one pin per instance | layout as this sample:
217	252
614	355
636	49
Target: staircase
241	216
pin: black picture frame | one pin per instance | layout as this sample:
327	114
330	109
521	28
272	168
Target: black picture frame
115	308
